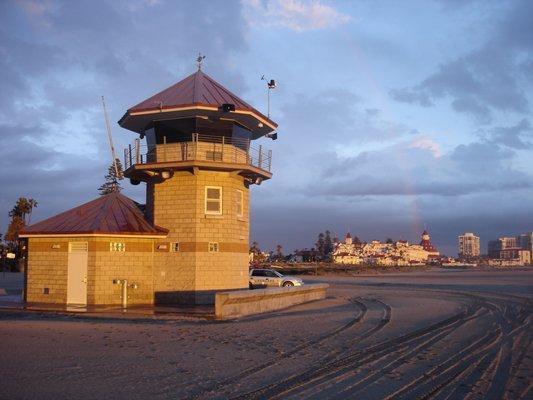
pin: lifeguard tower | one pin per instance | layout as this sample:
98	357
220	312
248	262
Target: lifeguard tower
196	153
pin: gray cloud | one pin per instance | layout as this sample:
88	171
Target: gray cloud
478	167
488	79
337	116
57	58
517	136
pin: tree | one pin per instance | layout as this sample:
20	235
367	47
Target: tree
279	251
255	248
20	216
328	244
23	208
389	241
356	240
319	245
112	180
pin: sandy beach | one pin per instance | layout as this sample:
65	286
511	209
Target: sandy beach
433	334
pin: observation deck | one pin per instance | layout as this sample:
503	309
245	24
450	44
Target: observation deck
144	162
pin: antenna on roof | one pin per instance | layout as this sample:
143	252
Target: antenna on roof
199	60
271	84
110	137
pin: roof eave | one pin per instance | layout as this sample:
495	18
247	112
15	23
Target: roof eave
195	106
95	234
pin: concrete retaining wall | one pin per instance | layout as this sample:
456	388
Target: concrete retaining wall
246	302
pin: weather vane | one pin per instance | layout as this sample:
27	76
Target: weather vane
199	60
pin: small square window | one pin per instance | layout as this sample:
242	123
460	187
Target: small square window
175	246
213	155
213	247
117	246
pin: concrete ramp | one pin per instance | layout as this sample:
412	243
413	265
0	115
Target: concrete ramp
239	303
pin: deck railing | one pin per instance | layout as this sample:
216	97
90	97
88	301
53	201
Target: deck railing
198	147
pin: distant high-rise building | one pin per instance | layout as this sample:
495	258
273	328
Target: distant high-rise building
525	241
503	243
494	247
468	245
508	242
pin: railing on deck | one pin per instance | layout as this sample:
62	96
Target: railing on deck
201	148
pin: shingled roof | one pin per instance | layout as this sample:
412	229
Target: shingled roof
112	214
196	90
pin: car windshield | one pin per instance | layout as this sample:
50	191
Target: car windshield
278	274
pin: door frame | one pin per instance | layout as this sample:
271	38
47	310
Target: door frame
83	275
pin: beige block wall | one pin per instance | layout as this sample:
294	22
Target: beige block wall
178	204
135	265
47	268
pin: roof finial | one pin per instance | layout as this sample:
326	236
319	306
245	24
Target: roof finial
199	60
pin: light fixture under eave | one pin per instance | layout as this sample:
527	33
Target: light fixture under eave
273	135
258	180
166	174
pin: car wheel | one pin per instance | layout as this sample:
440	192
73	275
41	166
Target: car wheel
251	286
288	283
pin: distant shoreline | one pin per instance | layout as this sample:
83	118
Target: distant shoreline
347	269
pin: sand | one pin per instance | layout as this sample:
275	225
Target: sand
434	334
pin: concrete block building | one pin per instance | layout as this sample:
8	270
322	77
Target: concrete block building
195	153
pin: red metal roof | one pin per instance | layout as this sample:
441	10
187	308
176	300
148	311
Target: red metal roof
113	214
197	89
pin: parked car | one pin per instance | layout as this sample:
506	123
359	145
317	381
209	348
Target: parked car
262	278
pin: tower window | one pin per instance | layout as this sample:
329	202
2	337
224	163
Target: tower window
213	247
239	202
213	200
175	246
213	155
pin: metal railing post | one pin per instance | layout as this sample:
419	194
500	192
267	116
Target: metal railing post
137	151
260	159
126	159
195	138
223	140
125	293
131	161
164	148
269	160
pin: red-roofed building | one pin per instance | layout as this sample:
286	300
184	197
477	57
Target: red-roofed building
110	215
428	246
191	240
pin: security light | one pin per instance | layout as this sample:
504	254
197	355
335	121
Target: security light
227	107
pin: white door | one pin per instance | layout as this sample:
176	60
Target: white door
77	273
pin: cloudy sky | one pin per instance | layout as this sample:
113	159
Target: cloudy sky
393	115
